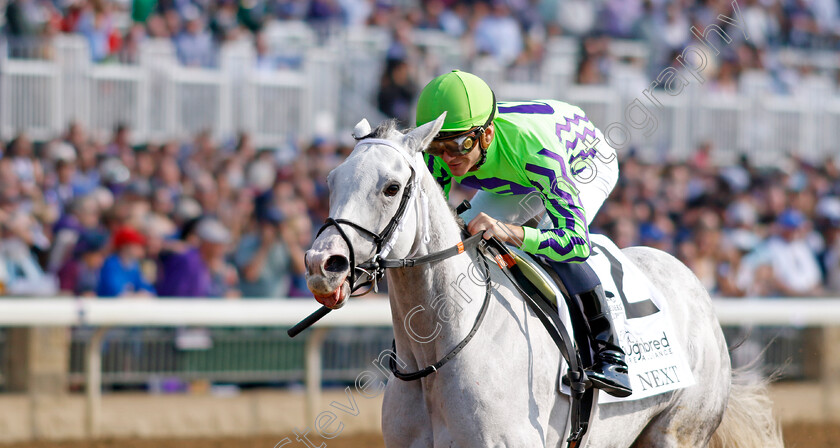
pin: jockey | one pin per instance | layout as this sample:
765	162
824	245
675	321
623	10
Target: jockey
517	154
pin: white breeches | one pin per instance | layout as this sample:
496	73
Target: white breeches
593	185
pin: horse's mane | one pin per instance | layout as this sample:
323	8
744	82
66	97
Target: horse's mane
389	129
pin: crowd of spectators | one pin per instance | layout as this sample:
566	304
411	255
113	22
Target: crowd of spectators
514	32
181	219
744	231
224	219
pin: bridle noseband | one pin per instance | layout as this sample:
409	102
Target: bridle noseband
372	267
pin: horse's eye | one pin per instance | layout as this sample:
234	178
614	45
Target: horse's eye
392	190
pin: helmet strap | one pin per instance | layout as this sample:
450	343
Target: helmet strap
487	124
483	150
481	160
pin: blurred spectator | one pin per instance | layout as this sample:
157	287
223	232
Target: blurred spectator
64	186
589	72
224	23
828	212
795	268
264	258
438	16
27	169
266	60
200	269
25	17
80	274
120	145
120	275
97	25
620	16
20	272
498	34
297	234
84	215
195	44
397	91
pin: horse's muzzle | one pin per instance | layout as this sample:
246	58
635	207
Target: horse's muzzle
335	299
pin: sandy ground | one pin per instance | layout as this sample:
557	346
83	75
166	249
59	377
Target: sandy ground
796	436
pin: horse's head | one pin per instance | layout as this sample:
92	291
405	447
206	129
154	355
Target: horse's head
372	212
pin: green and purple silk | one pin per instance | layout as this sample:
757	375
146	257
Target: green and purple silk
535	145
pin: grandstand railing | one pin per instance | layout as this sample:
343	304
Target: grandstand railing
95	317
336	82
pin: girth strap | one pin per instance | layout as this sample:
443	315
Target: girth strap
582	399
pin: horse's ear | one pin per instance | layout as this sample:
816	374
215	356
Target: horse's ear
362	129
418	139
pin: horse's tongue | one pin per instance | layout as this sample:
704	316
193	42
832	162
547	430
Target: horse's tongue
332	299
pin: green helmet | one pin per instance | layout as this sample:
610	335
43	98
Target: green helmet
466	99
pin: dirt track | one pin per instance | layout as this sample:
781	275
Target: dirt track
796	436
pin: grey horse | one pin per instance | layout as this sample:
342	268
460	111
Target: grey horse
501	390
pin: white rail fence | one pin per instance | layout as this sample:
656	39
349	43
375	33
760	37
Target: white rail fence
337	82
159	99
103	314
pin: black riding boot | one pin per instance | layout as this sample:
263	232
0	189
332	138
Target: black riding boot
609	371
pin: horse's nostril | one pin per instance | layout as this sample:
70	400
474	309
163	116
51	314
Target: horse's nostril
336	263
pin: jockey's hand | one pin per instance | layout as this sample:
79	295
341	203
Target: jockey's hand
507	233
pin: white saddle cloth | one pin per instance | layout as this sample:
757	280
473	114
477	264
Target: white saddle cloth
655	358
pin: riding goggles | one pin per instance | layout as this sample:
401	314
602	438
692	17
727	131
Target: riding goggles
463	143
455	146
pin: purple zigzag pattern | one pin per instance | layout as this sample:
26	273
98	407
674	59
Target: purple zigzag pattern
569	121
569	220
578	136
552	179
555	245
491	183
557	158
567	217
566	196
582	155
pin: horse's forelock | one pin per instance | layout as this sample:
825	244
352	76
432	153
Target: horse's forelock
387	130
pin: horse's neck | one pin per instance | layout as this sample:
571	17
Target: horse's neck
422	297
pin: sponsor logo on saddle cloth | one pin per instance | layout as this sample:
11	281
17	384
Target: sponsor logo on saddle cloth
655	358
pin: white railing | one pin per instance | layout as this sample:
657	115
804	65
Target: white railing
158	99
30	98
102	314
